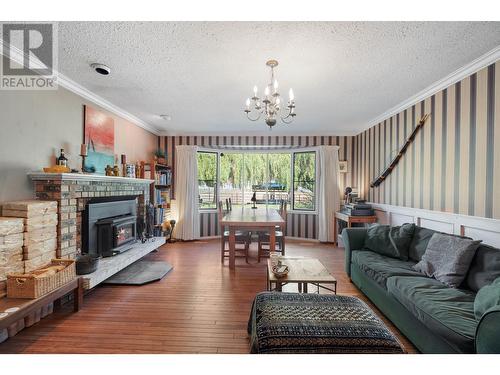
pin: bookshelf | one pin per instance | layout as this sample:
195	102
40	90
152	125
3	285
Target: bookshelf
161	193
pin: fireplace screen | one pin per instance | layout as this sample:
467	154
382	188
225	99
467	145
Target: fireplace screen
124	233
114	235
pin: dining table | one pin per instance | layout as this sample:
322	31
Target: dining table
249	219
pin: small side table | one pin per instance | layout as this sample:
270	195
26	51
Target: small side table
302	271
350	219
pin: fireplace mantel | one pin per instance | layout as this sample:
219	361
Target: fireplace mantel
42	176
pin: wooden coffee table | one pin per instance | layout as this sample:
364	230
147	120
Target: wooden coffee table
302	271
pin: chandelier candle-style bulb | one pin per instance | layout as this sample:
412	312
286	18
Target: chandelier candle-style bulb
269	106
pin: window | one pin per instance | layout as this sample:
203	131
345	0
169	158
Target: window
207	180
304	181
271	176
279	177
231	178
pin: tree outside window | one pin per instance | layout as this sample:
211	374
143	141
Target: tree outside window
207	180
304	182
267	175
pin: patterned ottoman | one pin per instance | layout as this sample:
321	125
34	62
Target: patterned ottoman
315	323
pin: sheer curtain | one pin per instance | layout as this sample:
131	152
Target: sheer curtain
186	191
328	190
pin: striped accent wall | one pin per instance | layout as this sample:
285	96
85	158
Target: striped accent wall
301	225
453	165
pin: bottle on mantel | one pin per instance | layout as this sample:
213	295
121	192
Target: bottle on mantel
61	160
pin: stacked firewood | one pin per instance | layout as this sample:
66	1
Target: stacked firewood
40	230
11	249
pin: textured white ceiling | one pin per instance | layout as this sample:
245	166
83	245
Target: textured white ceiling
343	73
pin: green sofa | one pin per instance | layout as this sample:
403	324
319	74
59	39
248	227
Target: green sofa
433	316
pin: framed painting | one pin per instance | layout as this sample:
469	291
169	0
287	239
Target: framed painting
99	137
343	166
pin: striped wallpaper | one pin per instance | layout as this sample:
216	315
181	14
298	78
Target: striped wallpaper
302	225
454	163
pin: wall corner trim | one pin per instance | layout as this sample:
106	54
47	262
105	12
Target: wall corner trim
481	62
17	56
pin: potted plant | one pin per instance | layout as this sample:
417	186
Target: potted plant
160	157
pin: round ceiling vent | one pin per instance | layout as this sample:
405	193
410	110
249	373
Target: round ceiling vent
101	69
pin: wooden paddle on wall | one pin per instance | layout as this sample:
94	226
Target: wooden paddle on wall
400	154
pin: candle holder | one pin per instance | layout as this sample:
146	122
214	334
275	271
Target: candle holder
124	165
83	154
83	163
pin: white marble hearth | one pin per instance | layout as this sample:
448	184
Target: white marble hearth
111	265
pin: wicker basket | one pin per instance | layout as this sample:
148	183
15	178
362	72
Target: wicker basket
30	286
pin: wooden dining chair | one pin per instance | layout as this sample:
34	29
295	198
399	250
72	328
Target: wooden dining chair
264	237
242	239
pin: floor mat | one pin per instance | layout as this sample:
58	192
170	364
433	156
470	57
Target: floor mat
140	273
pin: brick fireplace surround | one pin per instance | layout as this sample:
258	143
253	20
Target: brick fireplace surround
72	191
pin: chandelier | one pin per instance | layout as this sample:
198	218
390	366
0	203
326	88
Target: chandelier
271	106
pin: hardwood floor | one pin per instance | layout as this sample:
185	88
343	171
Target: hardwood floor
199	307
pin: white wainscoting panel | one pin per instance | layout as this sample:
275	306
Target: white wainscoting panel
399	219
438	225
478	228
488	237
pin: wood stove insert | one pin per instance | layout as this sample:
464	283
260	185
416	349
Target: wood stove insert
110	226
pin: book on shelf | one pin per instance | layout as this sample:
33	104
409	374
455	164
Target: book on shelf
159	215
163	177
162	205
162	197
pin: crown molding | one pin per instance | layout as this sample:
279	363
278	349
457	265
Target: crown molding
18	56
277	133
81	91
459	74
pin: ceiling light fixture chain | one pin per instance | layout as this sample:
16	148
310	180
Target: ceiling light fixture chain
271	106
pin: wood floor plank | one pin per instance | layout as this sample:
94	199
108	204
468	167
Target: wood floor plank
201	306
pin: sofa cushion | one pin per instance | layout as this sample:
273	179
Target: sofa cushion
485	268
449	312
379	267
420	240
487	297
447	258
418	244
390	241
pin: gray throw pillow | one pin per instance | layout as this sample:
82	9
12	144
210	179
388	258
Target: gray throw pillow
447	258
